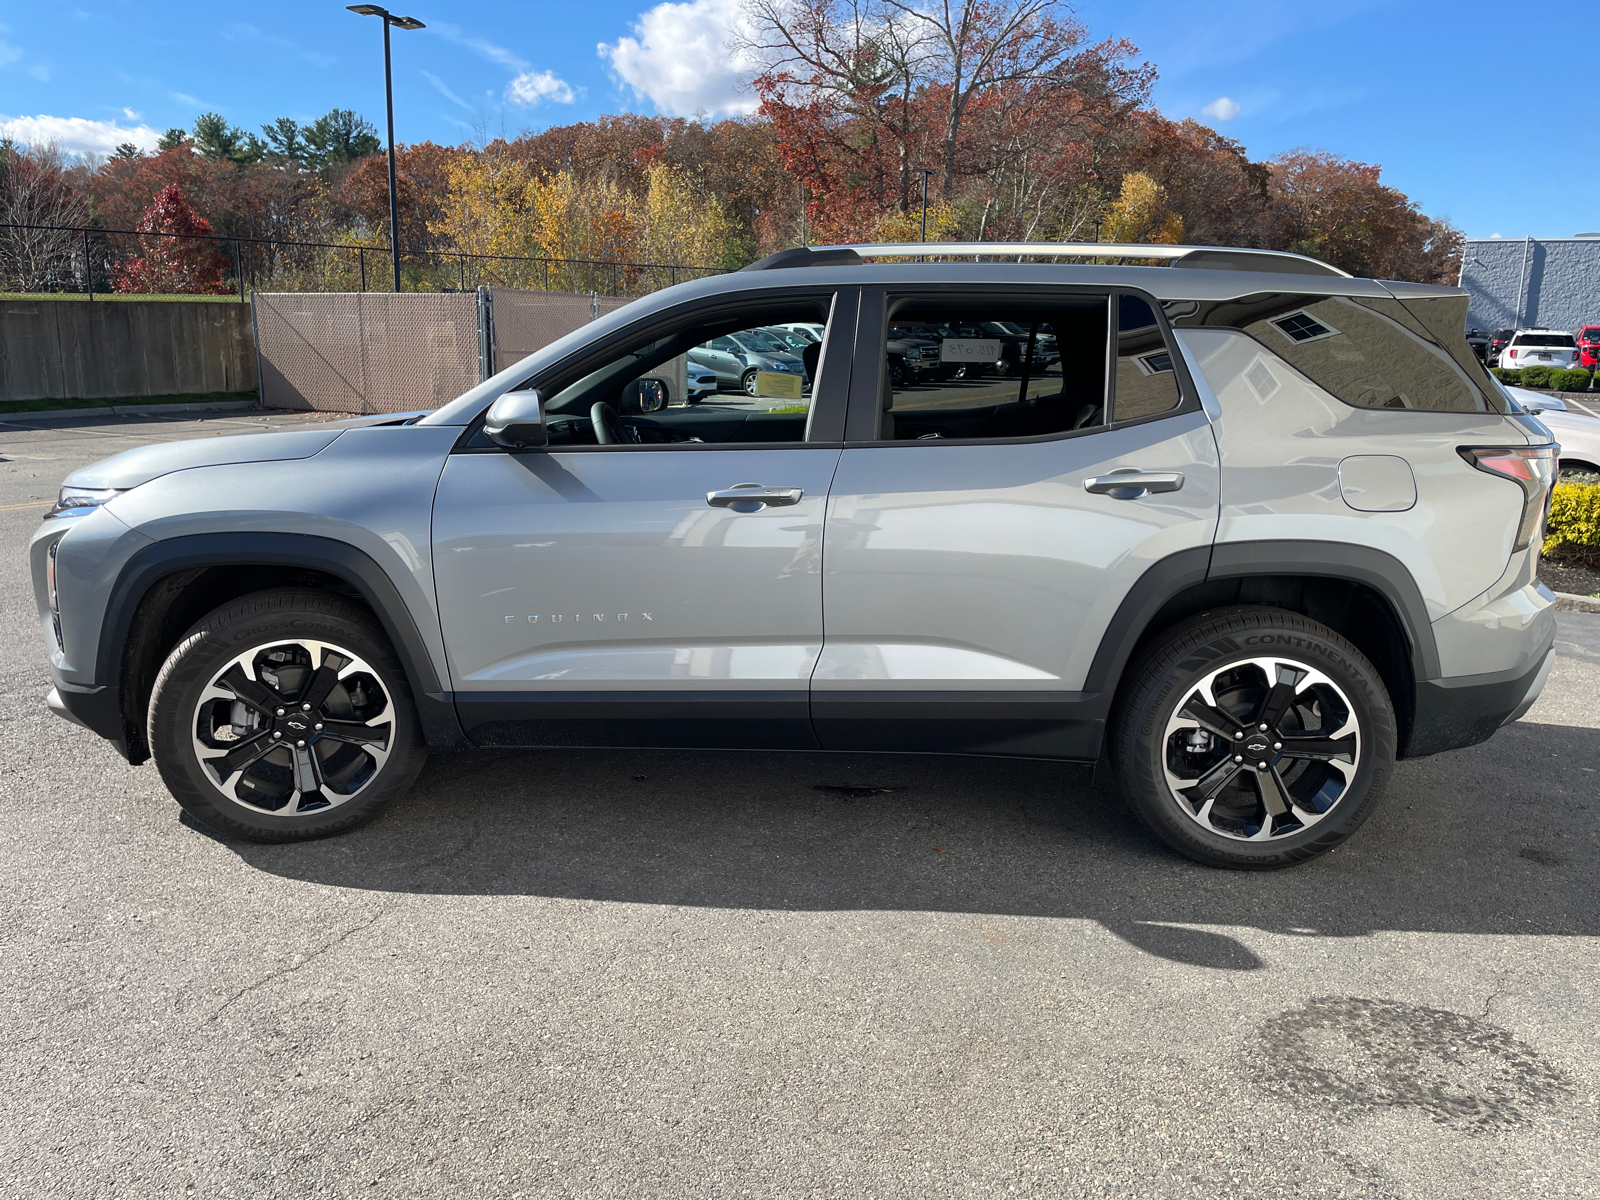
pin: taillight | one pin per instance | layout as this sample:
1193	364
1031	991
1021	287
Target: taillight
1513	353
1532	468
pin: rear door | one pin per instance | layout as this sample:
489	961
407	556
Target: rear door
978	542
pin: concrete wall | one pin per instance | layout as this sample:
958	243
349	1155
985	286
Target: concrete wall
76	349
1550	282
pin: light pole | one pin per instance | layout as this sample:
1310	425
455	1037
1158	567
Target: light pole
372	10
925	172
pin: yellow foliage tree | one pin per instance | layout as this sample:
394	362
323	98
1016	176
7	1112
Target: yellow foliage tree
485	213
681	222
1141	214
944	225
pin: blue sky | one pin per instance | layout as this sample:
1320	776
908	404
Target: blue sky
1429	90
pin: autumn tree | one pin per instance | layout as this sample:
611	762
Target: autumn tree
173	265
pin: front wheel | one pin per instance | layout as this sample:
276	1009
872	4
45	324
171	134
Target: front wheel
1254	738
284	715
750	384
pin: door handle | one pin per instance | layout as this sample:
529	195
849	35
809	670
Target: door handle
753	497
1131	484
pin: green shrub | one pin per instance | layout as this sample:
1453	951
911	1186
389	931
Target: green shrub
1536	377
1573	531
1576	380
1507	375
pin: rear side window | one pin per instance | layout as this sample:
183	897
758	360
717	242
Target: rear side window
1370	353
1146	384
971	368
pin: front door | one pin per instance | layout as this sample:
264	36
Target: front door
640	593
979	541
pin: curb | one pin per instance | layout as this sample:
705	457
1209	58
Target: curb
1572	602
124	410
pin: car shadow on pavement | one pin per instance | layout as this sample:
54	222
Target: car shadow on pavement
1499	838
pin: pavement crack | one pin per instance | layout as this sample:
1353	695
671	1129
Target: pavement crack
271	976
1498	991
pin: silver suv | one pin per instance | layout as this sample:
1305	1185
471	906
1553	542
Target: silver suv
1252	529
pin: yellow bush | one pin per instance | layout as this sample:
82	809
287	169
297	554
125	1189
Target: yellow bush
1573	530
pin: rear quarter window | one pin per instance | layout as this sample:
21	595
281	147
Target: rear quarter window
1370	353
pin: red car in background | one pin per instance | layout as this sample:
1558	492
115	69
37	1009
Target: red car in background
1588	339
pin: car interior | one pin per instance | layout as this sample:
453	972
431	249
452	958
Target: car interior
986	375
603	406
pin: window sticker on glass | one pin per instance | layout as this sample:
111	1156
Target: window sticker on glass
973	350
778	386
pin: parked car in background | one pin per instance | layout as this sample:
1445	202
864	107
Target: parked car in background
700	383
1479	341
1577	433
737	358
1498	341
1540	348
1588	339
813	332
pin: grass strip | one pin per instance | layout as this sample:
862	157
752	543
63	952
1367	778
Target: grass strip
50	405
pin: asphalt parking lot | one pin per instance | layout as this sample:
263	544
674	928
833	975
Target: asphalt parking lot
619	974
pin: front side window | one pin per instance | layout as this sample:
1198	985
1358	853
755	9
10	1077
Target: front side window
1369	352
711	379
974	369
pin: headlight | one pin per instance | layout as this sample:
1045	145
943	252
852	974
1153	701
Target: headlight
76	501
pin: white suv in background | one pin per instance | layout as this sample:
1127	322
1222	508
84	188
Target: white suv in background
1540	348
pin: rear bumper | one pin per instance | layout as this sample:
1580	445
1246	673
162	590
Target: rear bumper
1453	713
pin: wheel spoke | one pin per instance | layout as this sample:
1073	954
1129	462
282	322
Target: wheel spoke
1319	747
257	695
1274	795
307	773
1214	780
324	681
1284	690
1224	725
354	732
241	754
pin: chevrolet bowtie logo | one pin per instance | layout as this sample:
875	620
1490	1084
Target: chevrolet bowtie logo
558	618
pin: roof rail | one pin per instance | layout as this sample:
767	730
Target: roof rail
1214	258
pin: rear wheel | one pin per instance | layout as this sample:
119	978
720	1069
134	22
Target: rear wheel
284	715
1254	738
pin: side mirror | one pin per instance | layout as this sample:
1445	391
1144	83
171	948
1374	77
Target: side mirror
516	421
646	395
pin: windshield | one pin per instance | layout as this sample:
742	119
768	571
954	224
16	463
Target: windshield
761	343
1543	339
1589	336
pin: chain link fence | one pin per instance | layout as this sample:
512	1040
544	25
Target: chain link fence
71	260
382	353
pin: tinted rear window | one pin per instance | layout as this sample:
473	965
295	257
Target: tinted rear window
1370	353
1544	339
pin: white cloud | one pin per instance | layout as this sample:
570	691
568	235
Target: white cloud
1222	109
482	47
533	87
440	87
9	54
679	58
130	114
78	135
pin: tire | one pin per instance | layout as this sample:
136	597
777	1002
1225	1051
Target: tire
243	677
747	381
1235	814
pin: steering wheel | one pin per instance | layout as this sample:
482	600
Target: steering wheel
608	427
